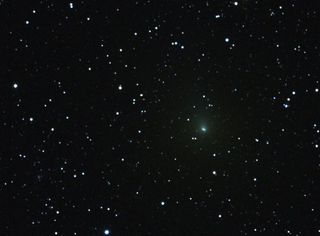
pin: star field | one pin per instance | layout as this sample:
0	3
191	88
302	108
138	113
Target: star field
160	118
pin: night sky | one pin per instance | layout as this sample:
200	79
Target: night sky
160	118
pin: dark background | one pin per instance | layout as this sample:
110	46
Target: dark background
85	156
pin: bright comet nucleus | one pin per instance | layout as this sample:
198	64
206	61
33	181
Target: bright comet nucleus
203	129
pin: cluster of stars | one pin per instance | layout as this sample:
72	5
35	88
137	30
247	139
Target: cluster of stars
86	141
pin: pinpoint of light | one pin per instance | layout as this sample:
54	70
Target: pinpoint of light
106	232
203	129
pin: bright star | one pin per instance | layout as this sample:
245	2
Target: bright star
107	232
203	129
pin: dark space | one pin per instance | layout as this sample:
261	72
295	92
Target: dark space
160	118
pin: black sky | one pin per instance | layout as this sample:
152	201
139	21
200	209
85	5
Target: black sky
160	118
